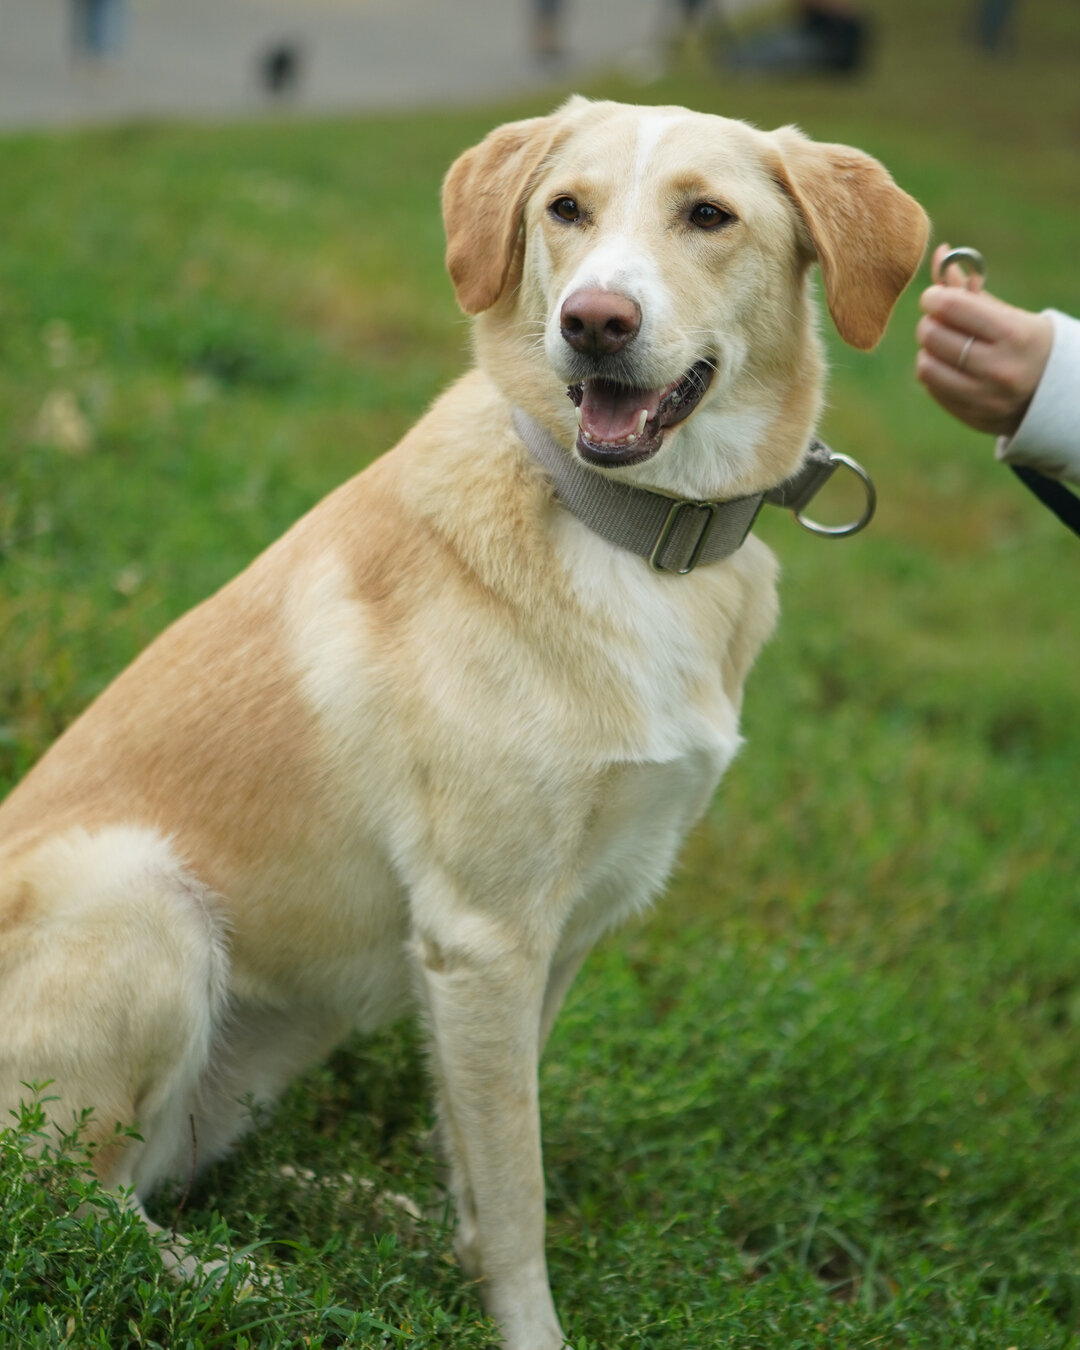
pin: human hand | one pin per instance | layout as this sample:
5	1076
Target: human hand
980	358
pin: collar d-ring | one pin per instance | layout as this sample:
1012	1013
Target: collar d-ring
869	502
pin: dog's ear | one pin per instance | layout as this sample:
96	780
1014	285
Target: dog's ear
483	196
868	235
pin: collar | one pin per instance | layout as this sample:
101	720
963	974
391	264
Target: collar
677	534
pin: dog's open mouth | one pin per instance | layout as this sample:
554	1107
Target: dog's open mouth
619	425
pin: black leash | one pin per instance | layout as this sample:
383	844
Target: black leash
1054	495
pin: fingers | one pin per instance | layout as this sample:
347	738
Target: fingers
960	301
974	313
989	389
979	358
943	379
966	396
1008	344
956	348
956	386
935	261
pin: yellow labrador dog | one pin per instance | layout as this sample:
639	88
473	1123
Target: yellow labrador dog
451	727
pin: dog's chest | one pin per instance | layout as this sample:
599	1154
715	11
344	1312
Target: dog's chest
641	819
666	652
553	761
657	784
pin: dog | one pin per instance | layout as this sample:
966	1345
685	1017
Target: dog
444	733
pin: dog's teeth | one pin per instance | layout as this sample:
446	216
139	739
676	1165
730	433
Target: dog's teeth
643	417
580	422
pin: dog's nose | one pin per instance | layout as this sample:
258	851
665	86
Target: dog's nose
599	322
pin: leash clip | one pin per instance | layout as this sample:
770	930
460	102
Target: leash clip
969	260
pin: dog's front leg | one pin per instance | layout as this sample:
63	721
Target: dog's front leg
484	1008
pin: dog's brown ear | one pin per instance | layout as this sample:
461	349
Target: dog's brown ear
483	197
868	234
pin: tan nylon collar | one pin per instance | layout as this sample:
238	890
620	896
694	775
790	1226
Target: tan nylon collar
677	534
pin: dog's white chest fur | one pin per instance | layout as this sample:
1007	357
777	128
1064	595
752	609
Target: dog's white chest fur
599	805
687	717
609	808
659	781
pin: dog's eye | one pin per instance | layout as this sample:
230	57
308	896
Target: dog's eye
708	216
566	208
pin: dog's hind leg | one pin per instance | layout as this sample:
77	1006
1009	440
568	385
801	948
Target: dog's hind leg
112	989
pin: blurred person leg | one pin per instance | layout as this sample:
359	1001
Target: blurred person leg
823	35
683	29
693	12
842	33
97	27
546	32
992	23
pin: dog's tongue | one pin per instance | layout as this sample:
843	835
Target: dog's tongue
611	413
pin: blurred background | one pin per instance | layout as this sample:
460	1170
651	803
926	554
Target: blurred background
76	60
80	60
829	1094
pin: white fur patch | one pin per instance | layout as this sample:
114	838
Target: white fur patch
326	624
651	129
618	262
660	657
710	457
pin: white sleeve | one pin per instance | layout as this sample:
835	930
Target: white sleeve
1048	439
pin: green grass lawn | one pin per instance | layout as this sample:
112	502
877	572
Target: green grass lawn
828	1095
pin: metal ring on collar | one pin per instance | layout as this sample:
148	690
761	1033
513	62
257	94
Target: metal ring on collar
838	531
965	258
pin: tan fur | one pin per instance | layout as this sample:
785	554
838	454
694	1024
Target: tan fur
483	196
868	236
439	736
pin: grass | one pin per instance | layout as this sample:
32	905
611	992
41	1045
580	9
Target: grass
827	1096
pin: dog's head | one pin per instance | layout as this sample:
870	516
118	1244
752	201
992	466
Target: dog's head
653	264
